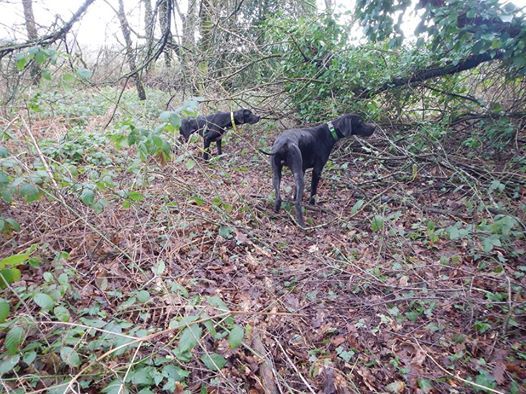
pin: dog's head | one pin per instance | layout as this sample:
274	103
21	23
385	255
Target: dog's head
246	116
351	124
188	127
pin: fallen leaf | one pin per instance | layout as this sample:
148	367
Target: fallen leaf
500	366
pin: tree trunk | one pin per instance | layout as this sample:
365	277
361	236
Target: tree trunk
189	25
149	26
189	22
130	55
164	18
32	35
205	43
329	6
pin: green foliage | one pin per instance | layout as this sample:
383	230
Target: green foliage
492	135
14	338
9	273
321	68
35	54
453	29
213	361
153	142
502	231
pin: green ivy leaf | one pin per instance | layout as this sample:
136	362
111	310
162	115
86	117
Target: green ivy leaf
235	337
175	373
84	73
46	75
143	376
198	200
8	276
116	386
30	192
143	296
377	224
14	260
3	154
190	164
489	242
14	339
4	310
8	363
70	356
217	302
213	361
357	205
159	268
87	197
21	61
226	232
29	357
61	313
486	380
189	338
44	301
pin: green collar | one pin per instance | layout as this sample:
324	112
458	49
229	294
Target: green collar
333	131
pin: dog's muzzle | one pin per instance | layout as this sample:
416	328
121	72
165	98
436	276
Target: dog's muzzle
369	129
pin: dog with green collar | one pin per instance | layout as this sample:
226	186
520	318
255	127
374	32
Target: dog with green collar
310	147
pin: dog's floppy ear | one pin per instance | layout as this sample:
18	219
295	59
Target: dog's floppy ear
246	115
344	124
187	128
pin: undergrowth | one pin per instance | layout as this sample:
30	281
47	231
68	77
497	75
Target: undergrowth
129	265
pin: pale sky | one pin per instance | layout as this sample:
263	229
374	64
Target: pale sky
99	26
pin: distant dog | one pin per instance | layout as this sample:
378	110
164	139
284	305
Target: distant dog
212	127
310	147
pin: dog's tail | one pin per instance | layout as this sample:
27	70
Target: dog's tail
266	153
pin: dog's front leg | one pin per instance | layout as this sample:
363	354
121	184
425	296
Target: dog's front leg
316	174
218	145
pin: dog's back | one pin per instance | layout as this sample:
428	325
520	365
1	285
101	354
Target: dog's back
307	143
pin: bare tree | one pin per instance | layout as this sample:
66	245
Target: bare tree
130	54
149	26
189	24
164	18
329	6
32	35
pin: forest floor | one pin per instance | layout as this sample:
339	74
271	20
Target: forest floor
411	275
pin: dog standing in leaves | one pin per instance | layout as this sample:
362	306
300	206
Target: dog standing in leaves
212	127
300	149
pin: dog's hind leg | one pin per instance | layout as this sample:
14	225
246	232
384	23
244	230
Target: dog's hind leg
276	180
296	165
